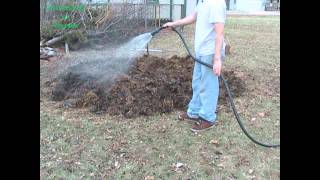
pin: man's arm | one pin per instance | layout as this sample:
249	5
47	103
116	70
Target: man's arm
185	21
219	27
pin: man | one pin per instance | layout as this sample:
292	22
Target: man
209	16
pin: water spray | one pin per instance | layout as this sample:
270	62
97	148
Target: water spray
235	112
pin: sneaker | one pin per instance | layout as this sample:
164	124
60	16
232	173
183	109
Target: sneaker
202	126
182	116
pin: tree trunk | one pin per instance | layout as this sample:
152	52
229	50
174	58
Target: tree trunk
58	39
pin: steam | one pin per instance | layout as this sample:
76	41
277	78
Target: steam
105	65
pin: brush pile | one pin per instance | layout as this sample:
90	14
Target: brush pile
152	85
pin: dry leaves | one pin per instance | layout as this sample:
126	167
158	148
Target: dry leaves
261	114
116	165
179	167
221	166
149	178
213	141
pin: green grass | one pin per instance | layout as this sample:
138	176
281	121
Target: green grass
75	144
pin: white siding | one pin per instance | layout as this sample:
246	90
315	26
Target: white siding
178	1
94	1
128	1
232	5
112	1
164	1
176	11
250	5
164	8
165	12
174	1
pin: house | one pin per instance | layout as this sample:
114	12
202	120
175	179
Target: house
159	9
177	9
246	5
243	5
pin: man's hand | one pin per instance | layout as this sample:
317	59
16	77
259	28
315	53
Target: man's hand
169	25
217	65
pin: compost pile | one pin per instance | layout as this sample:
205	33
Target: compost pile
151	85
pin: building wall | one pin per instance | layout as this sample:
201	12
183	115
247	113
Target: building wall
249	5
176	9
232	4
241	5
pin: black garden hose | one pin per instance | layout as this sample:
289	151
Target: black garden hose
235	112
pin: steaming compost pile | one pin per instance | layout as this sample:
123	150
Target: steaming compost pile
151	85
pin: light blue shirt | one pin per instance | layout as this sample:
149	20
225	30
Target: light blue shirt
208	13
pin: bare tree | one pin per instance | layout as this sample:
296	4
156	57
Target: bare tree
107	22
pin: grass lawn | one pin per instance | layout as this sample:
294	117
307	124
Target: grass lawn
75	144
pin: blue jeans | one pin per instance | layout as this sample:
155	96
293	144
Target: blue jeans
205	87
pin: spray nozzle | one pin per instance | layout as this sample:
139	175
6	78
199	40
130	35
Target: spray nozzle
157	30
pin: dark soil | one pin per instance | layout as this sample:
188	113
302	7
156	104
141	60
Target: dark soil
152	85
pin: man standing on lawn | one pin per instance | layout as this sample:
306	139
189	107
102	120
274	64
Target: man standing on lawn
210	16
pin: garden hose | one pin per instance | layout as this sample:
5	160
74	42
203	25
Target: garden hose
235	112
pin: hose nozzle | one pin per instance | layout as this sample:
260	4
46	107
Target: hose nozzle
153	33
